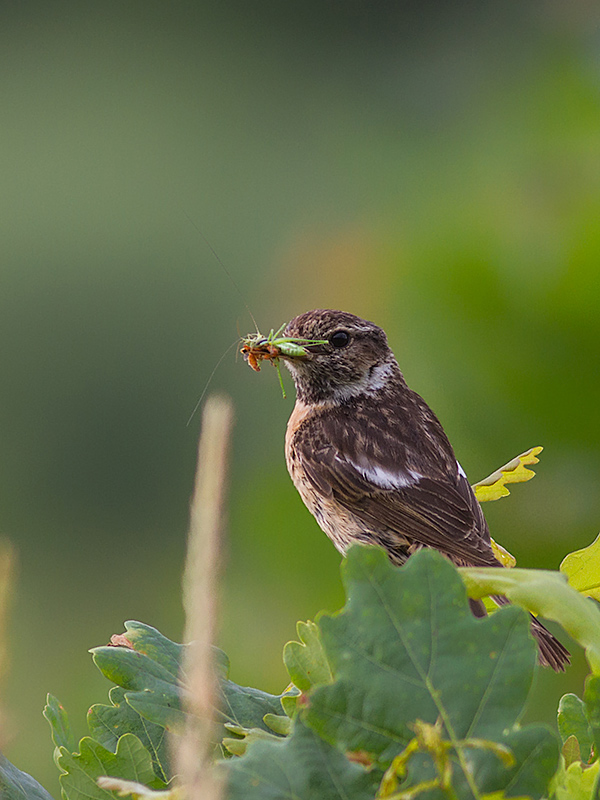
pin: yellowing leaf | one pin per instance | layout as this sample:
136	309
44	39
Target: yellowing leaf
494	486
503	556
576	782
582	569
502	796
137	790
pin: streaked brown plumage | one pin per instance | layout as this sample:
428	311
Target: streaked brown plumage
371	460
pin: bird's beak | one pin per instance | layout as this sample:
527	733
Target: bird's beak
295	349
292	352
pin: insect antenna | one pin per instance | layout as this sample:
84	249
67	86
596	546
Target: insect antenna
237	325
227	272
207	384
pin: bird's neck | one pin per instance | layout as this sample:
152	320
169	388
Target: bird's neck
325	392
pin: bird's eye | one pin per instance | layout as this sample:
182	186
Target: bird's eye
339	339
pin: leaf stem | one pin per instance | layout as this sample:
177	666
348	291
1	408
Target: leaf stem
456	743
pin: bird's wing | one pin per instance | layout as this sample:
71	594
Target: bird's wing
439	511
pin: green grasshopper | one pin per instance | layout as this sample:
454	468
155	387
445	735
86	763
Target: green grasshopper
256	348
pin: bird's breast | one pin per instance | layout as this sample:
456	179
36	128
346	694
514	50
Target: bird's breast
337	522
301	412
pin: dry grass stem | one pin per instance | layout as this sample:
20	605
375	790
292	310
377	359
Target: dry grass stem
193	752
7	568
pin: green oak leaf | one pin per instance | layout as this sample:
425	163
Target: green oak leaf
248	707
60	727
305	660
289	700
306	664
131	761
573	721
279	724
591	698
147	669
148	640
108	723
18	785
299	767
243	737
406	647
535	750
544	593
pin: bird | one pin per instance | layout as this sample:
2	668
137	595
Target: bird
371	460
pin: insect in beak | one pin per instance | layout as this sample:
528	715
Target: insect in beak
256	348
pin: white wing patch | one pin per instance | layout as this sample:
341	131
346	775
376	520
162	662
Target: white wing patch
461	470
384	478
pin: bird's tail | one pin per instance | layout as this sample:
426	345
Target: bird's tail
551	652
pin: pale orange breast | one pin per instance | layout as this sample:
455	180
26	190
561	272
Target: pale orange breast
299	414
337	522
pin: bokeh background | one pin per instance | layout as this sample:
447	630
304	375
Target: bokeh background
432	166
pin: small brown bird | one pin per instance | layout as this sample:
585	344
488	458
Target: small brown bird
371	460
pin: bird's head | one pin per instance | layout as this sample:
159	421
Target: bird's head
353	359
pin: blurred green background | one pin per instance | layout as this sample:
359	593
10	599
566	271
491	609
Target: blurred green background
433	166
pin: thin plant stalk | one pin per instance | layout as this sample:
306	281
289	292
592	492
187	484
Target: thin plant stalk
7	568
193	750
